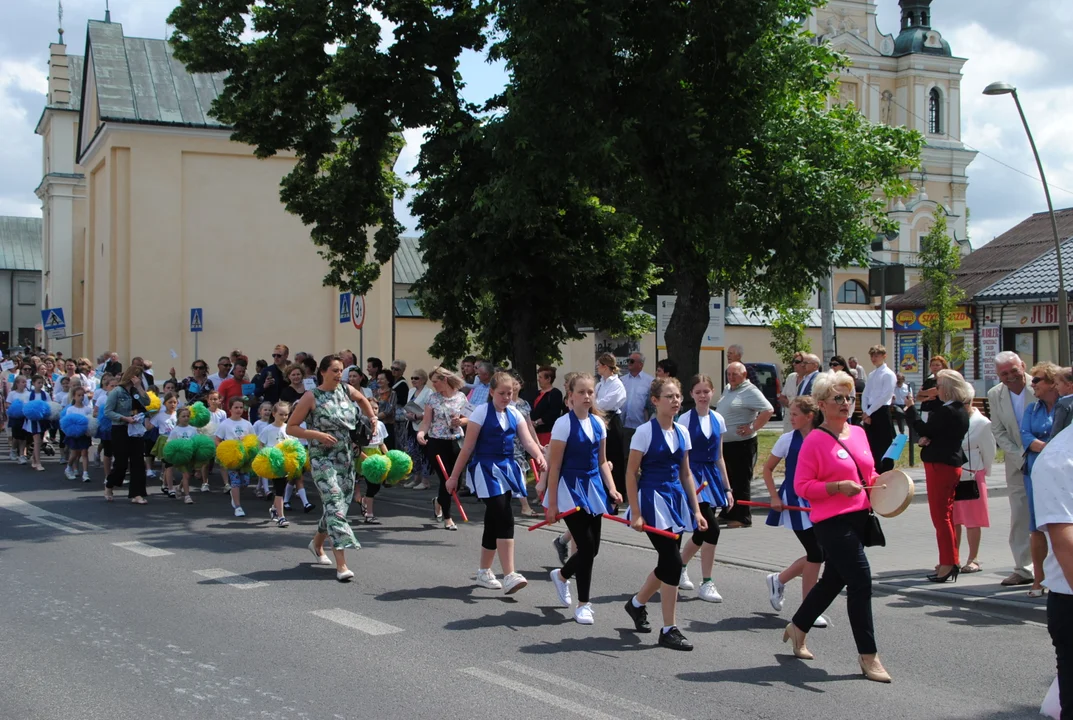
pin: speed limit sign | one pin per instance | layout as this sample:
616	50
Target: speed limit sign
357	314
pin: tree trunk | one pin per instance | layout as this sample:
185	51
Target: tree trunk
523	355
688	321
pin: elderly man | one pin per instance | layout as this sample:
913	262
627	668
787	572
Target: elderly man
855	369
1008	401
270	381
745	410
481	383
638	384
875	407
735	354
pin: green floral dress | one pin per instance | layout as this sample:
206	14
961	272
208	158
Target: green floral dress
333	467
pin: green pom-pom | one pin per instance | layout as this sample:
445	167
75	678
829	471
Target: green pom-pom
401	466
179	452
294	458
375	468
204	449
276	461
268	463
199	415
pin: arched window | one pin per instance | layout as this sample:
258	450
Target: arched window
935	112
853	292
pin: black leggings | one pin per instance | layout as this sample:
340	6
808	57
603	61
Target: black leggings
813	551
711	535
498	520
585	530
371	489
669	564
448	452
279	486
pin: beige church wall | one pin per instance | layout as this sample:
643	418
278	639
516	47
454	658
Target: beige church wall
99	321
413	337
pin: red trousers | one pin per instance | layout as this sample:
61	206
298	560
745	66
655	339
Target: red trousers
942	481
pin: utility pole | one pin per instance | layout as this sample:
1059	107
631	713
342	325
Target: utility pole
827	318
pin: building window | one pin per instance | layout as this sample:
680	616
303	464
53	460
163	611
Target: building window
27	292
853	292
935	112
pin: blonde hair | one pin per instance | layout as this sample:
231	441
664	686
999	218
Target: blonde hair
609	361
1049	371
954	386
656	389
448	377
828	382
806	404
500	378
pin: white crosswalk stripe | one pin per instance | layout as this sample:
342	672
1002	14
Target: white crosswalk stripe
356	622
226	577
142	549
44	517
543	696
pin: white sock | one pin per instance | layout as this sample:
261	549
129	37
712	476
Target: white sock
264	484
667	628
288	492
635	603
302	495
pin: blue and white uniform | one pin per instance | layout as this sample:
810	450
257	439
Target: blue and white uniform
580	483
787	447
706	437
664	504
492	469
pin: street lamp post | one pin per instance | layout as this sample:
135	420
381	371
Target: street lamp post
1002	88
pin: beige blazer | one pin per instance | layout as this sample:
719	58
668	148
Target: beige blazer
1007	430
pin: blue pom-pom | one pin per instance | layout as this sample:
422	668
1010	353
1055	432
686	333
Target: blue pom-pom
36	410
15	410
74	424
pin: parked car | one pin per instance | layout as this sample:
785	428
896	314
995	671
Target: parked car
767	379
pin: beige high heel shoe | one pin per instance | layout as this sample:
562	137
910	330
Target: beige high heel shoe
874	670
797	638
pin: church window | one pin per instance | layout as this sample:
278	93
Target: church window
853	292
935	109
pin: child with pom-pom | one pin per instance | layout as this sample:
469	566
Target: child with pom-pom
163	422
235	427
16	400
374	475
77	445
264	419
182	431
217	415
36	422
270	436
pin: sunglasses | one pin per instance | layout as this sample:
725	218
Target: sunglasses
201	367
277	355
223	364
1038	380
798	361
844	399
630	361
415	377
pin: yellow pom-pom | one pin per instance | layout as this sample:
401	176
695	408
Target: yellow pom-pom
290	464
230	454
249	442
154	402
262	466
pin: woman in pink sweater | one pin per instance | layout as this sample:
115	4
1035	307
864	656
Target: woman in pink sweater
833	467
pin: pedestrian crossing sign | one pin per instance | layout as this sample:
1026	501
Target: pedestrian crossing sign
196	320
53	324
344	307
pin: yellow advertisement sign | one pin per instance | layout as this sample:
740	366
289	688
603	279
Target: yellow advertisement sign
917	320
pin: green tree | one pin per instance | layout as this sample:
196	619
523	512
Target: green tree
789	327
940	259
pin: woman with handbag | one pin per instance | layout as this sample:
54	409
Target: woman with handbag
971	512
940	439
842	521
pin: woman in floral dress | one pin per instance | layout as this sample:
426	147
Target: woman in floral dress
330	412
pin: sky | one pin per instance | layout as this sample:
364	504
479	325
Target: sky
1028	43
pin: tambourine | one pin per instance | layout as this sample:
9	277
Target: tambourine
892	493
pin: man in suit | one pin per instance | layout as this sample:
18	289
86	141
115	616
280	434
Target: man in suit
1008	401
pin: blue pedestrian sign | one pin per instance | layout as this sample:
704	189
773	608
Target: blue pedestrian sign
53	324
197	323
344	307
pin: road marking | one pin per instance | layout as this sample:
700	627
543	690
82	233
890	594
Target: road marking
142	549
229	578
44	517
603	697
545	697
356	622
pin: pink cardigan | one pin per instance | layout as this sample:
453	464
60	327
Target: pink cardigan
818	463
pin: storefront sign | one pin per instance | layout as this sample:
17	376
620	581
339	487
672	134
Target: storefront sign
908	353
990	346
713	335
1040	315
917	320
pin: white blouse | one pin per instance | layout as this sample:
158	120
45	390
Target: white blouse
610	395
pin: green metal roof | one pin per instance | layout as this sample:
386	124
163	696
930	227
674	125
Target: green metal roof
20	243
408	265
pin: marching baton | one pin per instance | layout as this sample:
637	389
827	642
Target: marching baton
751	503
458	502
542	523
536	477
647	528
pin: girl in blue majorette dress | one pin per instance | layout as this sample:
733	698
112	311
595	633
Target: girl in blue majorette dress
803	414
578	459
665	499
493	475
706	429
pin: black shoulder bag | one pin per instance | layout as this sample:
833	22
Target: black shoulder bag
872	535
967	489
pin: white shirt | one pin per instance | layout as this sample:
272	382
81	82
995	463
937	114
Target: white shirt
781	448
879	391
270	435
182	433
164	421
901	392
1052	493
480	414
705	422
229	429
637	389
1018	402
610	395
259	426
215	380
643	438
561	429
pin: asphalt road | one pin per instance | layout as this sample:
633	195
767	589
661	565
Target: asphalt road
211	616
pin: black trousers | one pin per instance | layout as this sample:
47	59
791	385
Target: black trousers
668	558
585	529
846	566
1060	626
448	452
617	449
498	520
880	432
740	459
127	452
711	535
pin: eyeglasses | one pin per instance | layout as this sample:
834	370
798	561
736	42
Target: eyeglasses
630	361
277	355
415	377
201	367
844	399
223	364
798	361
1038	380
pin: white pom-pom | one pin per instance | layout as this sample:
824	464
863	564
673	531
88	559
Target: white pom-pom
54	411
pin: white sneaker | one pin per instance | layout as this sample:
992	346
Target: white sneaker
821	622
775	591
150	474
69	473
205	488
239	512
584	614
487	579
513	582
11	456
562	586
708	593
85	476
684	583
22	459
